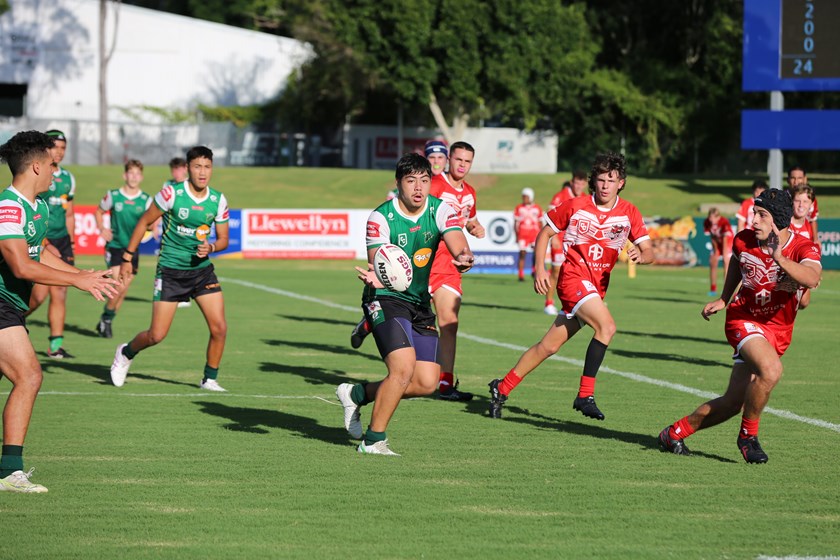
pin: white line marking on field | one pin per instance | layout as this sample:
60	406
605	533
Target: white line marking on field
762	557
490	342
177	395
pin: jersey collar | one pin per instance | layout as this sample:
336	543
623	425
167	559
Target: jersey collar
32	204
399	211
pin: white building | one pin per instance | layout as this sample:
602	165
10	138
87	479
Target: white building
49	59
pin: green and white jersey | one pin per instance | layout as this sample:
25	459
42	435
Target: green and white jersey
186	224
418	236
21	219
125	213
62	190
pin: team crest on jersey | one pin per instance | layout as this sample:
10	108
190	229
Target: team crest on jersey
211	216
213	198
183	213
615	232
402	240
118	206
30	229
583	226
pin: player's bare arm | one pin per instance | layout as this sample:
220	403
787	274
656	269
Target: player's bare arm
730	286
806	274
641	253
541	277
456	242
53	259
70	220
475	228
104	233
220	244
16	254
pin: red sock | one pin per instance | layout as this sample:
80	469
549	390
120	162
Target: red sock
714	288
587	386
447	381
681	429
509	383
749	428
549	301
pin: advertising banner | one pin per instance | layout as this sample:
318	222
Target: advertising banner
304	234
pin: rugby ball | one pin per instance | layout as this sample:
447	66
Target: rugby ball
393	267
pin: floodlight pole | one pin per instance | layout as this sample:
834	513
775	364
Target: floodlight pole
774	160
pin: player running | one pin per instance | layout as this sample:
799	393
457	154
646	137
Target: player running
126	205
24	217
184	271
571	189
526	224
445	280
60	238
403	322
796	178
771	264
596	230
720	235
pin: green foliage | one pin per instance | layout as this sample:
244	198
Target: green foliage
4	6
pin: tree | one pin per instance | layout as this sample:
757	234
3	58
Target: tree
104	59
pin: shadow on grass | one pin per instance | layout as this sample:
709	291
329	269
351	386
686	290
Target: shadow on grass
332	348
669	336
695	302
499	306
68	327
311	375
261	421
102	373
325	320
138	299
668	358
479	405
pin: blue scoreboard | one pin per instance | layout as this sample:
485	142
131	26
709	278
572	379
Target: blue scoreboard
791	45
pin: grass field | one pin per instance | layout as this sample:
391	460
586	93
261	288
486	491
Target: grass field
295	187
157	469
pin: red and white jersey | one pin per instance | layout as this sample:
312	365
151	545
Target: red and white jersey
463	202
745	212
815	211
767	295
594	237
564	194
527	220
718	229
805	230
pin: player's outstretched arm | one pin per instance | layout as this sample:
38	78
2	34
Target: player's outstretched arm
146	220
16	254
368	276
456	242
730	285
542	282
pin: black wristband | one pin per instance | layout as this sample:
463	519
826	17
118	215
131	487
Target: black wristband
127	251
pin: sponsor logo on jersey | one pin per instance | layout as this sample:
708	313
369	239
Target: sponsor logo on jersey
590	287
372	229
183	213
202	232
422	257
10	215
595	252
415	228
763	297
402	240
166	193
752	328
287	223
453	221
185	231
34	251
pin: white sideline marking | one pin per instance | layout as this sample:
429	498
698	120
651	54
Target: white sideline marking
490	342
762	557
180	395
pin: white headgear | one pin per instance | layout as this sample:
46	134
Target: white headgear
529	193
